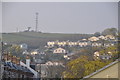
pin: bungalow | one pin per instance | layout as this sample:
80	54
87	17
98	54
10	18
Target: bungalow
50	44
59	50
97	55
63	43
72	43
109	37
24	46
83	44
93	38
51	70
101	37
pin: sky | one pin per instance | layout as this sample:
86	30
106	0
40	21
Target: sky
0	19
60	17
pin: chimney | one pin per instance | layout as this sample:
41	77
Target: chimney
14	59
18	61
9	57
5	57
28	61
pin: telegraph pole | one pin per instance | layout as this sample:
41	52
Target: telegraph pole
1	61
1	65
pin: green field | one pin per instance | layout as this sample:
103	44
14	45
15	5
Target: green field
36	39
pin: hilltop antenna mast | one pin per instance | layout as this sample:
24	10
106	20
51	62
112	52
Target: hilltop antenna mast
36	29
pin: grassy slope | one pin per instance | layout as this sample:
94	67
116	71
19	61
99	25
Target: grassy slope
39	39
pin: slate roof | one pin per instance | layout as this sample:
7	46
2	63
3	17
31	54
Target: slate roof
16	67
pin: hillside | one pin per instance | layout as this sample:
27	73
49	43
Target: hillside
36	39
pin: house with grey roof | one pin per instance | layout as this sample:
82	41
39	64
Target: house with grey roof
110	71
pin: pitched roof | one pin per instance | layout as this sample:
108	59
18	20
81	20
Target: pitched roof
16	67
105	67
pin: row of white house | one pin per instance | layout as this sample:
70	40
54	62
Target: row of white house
92	41
107	37
81	44
98	55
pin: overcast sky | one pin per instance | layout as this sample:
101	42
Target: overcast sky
60	17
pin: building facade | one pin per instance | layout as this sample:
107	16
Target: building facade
13	69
